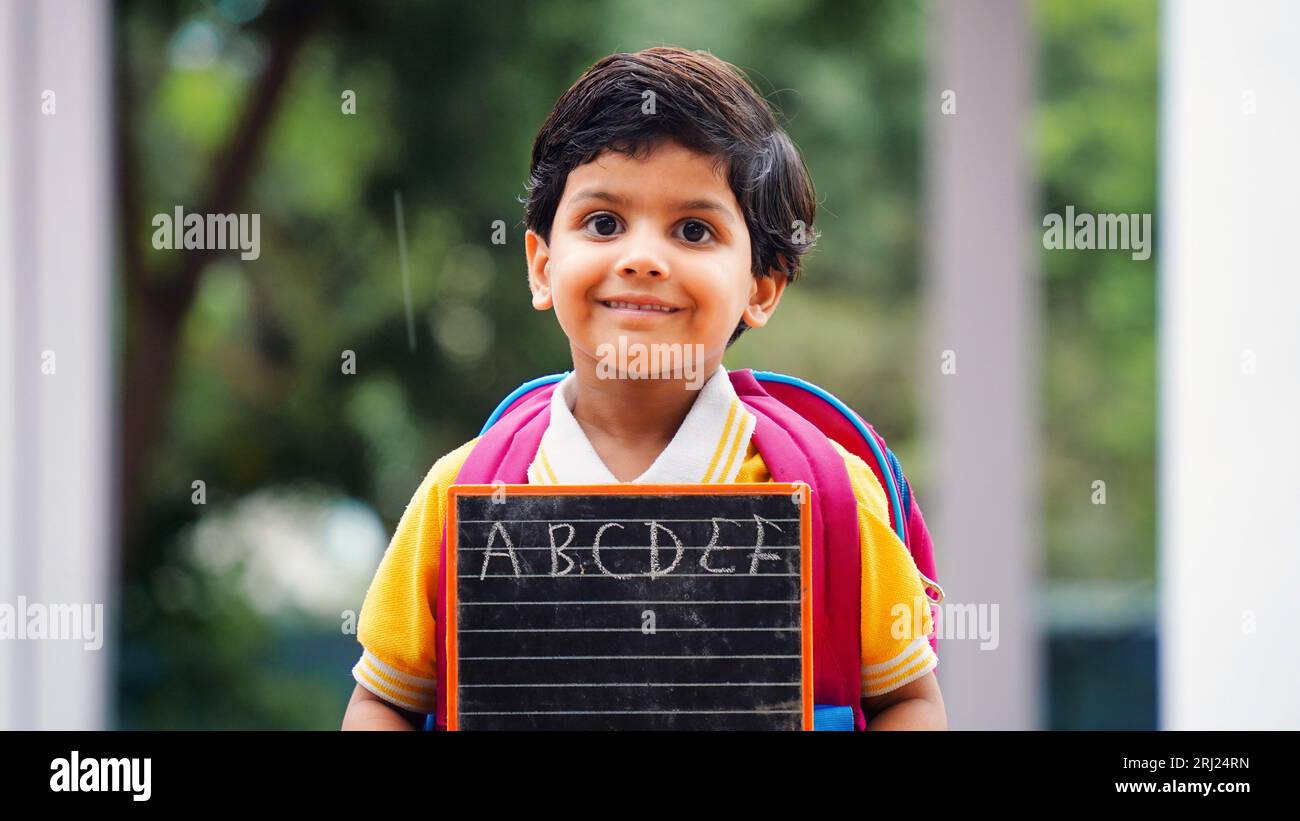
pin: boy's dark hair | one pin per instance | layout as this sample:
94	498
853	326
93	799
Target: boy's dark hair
707	105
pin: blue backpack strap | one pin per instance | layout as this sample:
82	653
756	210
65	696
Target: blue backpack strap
896	467
539	382
832	717
889	466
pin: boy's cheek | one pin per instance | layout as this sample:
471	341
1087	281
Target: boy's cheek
577	319
715	316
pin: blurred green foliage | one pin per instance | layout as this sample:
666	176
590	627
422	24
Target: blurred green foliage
448	99
1096	137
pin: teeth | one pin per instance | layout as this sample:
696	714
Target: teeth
634	307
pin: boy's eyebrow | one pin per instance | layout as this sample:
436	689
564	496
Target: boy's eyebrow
686	205
598	195
705	205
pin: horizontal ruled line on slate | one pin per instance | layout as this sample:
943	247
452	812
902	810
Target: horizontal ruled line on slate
627	575
595	644
641	519
663	548
713	657
629	601
637	630
651	684
625	712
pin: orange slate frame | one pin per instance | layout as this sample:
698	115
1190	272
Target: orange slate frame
625	489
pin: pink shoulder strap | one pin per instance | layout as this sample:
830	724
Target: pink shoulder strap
795	450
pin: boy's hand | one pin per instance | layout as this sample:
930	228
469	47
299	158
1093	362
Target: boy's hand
367	711
914	706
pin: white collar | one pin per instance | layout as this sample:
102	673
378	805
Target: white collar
709	446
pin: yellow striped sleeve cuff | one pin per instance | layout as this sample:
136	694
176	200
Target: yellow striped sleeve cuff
403	690
917	659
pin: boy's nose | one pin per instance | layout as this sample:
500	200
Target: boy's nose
642	258
648	269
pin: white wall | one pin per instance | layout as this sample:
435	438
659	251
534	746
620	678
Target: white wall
1230	289
55	265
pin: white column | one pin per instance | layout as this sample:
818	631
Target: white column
56	260
982	312
1230	366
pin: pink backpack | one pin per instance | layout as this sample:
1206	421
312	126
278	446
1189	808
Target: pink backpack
794	421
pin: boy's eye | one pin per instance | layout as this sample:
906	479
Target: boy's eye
602	224
695	232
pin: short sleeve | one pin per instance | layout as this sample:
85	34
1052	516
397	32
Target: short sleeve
895	612
396	628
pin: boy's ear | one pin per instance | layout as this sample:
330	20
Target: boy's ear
764	296
539	269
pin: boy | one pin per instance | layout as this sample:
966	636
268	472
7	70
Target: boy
667	211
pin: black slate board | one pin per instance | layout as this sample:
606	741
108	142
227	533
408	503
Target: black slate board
615	637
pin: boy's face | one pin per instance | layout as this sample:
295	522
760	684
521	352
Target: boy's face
664	229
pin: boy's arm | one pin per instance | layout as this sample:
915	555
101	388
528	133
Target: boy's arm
366	711
914	706
900	690
396	676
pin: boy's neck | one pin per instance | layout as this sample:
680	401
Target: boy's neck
645	412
